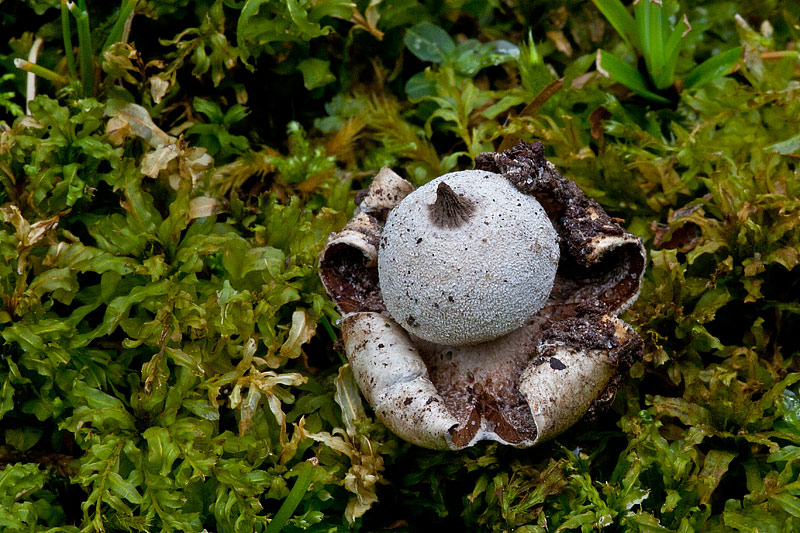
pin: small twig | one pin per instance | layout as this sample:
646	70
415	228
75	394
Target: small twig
37	70
301	485
780	54
536	104
126	31
118	32
66	32
30	86
85	54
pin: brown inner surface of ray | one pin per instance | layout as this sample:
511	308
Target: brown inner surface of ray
350	282
480	384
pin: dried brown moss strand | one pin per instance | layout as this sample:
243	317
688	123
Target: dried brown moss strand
450	210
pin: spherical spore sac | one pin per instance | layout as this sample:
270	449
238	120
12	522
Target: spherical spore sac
468	261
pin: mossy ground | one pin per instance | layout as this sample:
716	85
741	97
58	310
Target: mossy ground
169	356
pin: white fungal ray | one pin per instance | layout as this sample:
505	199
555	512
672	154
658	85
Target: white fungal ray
560	389
394	380
457	406
385	192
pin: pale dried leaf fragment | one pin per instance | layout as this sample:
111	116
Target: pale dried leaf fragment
197	162
369	20
139	120
159	159
349	399
39	229
561	42
12	215
598	64
118	129
178	161
158	88
290	449
27	121
364	473
300	333
27	234
265	384
361	481
688	29
202	207
153	372
366	466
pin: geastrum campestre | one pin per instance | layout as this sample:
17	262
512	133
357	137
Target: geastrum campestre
483	305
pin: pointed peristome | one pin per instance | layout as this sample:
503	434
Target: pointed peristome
450	210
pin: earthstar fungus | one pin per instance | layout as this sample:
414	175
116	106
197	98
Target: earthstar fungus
539	344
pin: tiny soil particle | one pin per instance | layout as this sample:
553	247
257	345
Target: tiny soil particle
556	364
412	321
360	195
407	402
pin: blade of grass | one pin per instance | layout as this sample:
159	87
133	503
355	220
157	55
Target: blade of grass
620	20
531	109
40	71
30	79
714	67
326	323
66	32
85	55
656	37
125	11
642	14
533	70
789	146
293	499
616	69
673	47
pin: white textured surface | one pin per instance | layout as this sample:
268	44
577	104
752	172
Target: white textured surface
560	394
395	381
473	283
